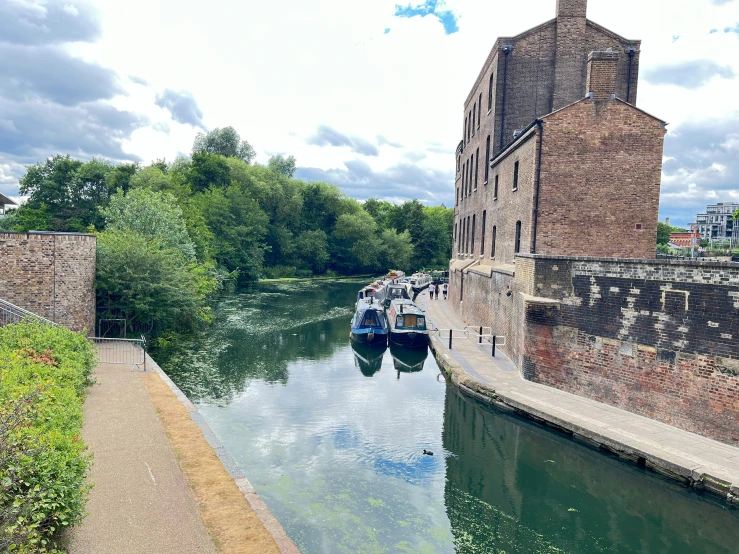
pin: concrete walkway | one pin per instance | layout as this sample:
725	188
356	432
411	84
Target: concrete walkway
140	501
697	460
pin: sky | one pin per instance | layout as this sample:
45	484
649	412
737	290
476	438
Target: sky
367	95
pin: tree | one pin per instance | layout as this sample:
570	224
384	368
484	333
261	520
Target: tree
142	280
663	233
311	248
50	184
120	176
208	169
357	246
283	166
225	142
152	214
396	250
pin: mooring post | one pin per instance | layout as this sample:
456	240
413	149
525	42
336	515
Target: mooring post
451	331
479	340
493	346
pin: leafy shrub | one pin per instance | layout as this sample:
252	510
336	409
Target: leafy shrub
44	374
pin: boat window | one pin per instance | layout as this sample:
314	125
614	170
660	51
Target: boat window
408	321
370	319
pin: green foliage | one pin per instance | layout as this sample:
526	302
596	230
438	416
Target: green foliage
152	214
45	372
283	166
664	230
208	170
224	142
141	279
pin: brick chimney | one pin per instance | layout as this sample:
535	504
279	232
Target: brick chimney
571	8
601	78
569	71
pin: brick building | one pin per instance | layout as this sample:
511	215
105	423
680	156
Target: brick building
685	240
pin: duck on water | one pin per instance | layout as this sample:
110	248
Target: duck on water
369	325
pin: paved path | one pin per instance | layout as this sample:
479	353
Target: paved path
699	460
140	502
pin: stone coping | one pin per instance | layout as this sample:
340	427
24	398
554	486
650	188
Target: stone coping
651	261
52	233
271	524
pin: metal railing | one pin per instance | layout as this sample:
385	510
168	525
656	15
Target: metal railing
477	332
10	313
130	352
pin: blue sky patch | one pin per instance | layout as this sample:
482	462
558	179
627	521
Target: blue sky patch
430	7
387	30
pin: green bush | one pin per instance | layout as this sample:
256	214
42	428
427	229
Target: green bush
44	374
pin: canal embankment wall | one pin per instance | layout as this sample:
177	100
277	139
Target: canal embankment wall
50	274
658	338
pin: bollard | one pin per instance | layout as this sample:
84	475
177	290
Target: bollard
450	339
479	340
493	346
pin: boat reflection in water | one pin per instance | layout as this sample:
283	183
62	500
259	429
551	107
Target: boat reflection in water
368	358
408	360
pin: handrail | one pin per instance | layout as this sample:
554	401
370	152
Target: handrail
10	313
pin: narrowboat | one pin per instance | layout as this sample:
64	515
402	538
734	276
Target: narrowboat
420	281
374	290
368	358
407	324
369	325
394	274
397	291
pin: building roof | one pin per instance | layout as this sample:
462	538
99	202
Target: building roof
4	200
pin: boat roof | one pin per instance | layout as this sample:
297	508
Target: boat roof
408	306
365	304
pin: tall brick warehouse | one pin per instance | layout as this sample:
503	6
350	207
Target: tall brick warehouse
554	244
499	208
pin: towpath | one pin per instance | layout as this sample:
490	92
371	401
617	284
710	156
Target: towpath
159	487
698	460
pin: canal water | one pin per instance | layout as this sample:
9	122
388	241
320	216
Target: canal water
333	440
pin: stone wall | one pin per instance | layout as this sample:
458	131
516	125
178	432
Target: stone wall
658	338
50	274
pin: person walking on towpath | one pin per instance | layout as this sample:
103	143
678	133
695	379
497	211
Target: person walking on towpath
444	288
431	291
436	291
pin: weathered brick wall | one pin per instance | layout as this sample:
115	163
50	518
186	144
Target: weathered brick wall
50	274
658	338
600	181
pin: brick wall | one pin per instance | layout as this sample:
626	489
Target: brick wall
658	338
600	181
50	274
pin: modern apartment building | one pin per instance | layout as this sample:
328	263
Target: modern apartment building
717	222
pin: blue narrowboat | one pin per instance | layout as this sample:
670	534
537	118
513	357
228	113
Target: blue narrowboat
407	324
369	325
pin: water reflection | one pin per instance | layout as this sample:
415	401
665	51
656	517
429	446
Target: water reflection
512	486
338	457
368	358
408	360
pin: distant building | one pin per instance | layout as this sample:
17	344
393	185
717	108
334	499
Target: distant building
685	240
716	222
5	201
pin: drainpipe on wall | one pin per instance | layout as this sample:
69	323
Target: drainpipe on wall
535	214
506	50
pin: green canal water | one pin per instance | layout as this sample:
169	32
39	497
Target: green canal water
334	442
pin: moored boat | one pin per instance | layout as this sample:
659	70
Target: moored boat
407	324
376	290
420	281
369	324
397	291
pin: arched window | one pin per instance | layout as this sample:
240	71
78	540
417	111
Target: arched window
492	250
495	191
518	237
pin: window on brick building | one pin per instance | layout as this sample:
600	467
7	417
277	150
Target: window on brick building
474	228
467	246
482	236
517	248
495	190
469	125
492	249
479	103
464	135
477	160
487	159
638	226
459	159
460	246
454	238
474	116
457	202
469	179
515	176
490	93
